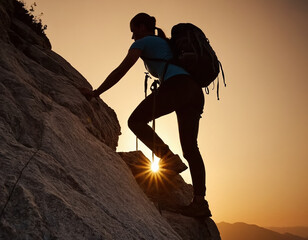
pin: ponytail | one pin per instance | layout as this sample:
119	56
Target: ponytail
149	22
160	33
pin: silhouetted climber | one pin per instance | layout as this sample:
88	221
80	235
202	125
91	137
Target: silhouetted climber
178	92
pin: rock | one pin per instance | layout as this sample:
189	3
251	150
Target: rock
168	193
167	190
192	229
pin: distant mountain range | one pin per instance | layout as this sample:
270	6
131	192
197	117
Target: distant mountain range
299	231
243	231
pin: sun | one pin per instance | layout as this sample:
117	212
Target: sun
155	165
152	177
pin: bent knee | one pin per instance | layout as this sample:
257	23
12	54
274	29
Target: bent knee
131	123
137	119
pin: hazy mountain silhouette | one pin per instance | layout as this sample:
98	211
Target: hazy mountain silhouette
299	231
60	174
243	231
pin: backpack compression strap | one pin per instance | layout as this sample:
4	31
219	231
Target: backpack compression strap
223	77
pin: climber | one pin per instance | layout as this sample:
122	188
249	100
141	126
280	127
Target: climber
178	92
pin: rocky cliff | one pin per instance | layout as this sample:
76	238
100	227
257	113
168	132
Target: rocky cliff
60	174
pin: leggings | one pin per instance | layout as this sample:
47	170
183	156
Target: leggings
182	95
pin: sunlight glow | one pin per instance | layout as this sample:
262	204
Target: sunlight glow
152	177
155	165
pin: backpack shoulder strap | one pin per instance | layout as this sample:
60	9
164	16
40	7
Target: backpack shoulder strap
167	62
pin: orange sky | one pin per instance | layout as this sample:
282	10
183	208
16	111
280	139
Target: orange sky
254	140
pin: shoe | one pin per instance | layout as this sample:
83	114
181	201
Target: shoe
173	162
196	209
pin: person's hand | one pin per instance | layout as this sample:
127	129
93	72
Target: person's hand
88	93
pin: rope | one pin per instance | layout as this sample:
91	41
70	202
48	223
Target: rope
153	88
146	79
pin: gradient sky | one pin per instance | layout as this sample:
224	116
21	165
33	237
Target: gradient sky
255	139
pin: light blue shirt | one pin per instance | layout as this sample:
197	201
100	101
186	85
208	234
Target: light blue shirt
157	48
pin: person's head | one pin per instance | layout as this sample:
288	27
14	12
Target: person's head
144	25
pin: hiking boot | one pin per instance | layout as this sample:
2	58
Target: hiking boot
174	163
196	209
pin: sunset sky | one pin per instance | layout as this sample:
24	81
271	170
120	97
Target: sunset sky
254	141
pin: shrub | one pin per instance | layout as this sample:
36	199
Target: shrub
26	16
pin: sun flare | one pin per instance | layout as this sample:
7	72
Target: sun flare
155	165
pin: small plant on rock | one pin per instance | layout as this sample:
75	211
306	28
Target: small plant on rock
27	16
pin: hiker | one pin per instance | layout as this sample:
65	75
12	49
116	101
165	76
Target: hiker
177	92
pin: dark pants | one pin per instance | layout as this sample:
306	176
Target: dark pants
182	95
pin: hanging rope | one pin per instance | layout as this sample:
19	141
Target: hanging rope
153	88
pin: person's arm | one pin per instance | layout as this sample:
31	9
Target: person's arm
119	72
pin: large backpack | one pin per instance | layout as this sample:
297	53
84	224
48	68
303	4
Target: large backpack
193	52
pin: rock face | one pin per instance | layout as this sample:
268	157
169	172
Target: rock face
60	175
168	192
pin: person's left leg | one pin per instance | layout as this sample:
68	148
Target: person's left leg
167	98
138	123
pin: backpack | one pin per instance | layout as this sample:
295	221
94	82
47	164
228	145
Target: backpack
193	52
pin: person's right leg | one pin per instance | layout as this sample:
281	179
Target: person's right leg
188	120
188	128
